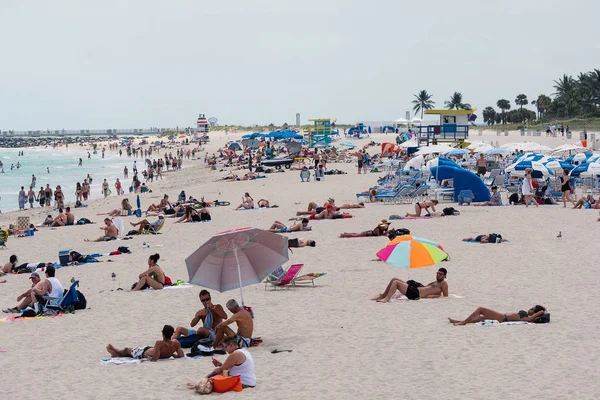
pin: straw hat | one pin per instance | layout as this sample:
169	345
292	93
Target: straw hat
384	222
331	200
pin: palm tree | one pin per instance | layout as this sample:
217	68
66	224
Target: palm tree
456	103
521	100
422	102
489	115
542	103
504	105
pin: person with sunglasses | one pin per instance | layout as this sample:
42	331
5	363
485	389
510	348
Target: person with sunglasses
414	290
211	315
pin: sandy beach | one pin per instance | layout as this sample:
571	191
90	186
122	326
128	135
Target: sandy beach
343	344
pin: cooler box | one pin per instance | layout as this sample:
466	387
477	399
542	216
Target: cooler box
29	232
64	256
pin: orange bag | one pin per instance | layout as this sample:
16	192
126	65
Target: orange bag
222	384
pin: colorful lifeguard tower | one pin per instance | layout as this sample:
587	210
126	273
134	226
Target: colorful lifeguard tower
320	132
453	126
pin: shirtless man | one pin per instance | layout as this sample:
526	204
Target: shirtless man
280	227
211	316
244	322
70	217
61	219
110	232
165	348
439	288
25	297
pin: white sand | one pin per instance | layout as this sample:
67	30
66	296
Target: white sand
344	345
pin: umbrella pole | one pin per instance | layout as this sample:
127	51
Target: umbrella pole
237	260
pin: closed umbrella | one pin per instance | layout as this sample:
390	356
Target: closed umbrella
237	258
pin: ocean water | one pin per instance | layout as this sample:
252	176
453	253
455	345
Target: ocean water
63	171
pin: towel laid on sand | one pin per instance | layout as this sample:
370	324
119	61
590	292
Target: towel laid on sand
493	322
129	360
17	318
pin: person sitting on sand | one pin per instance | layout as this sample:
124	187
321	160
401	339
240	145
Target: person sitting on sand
165	348
247	202
481	314
25	297
280	227
410	289
60	220
110	232
70	217
145	225
211	316
244	322
238	362
582	201
380	230
424	205
125	210
10	266
495	199
190	215
48	221
160	207
153	277
489	238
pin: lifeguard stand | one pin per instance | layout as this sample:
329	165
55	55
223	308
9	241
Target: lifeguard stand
453	127
320	133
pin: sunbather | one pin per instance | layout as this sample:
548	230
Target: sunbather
424	205
495	199
350	206
60	220
481	314
247	202
262	203
164	204
189	215
10	265
110	232
244	322
297	242
25	297
165	348
280	227
238	362
588	199
123	211
380	230
211	316
412	290
489	238
145	225
153	277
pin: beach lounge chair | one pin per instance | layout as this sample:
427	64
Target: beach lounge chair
62	303
3	237
395	196
286	279
154	229
497	181
305	175
307	278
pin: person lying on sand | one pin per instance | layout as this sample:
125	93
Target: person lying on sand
438	288
280	227
314	209
153	277
297	242
481	314
244	322
238	362
495	199
124	211
262	203
211	316
165	348
424	205
489	238
380	230
110	232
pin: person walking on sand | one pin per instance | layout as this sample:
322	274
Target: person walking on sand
360	158
527	188
162	349
31	196
118	187
22	198
481	165
48	193
438	288
566	188
105	188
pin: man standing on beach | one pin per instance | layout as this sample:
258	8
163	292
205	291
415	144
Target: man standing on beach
48	193
359	156
244	322
211	316
31	196
125	173
481	165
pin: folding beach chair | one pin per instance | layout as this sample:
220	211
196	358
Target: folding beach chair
154	229
65	302
307	278
287	278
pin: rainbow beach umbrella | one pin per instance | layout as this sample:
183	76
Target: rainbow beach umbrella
412	252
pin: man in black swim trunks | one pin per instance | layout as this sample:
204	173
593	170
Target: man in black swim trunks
438	288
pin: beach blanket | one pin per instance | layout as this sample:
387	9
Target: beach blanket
450	295
17	318
493	322
179	286
129	360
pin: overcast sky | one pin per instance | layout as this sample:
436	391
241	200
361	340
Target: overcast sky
128	64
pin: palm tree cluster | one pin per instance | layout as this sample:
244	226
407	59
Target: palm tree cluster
423	102
573	97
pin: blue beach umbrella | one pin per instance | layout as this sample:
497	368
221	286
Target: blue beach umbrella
586	169
457	152
492	152
539	169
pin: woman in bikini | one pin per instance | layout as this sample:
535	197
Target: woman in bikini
424	205
481	314
247	202
566	189
380	230
124	211
153	277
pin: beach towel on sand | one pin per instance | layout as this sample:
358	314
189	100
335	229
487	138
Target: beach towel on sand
493	322
129	360
17	318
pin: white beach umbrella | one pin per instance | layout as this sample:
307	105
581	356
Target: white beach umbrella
483	148
532	146
593	169
569	147
473	145
433	149
409	143
416	163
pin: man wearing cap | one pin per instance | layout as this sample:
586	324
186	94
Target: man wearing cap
51	286
110	232
415	291
25	297
149	226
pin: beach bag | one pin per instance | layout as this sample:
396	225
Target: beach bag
495	238
400	231
124	249
80	304
83	221
168	281
543	319
448	211
513	199
75	256
222	384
